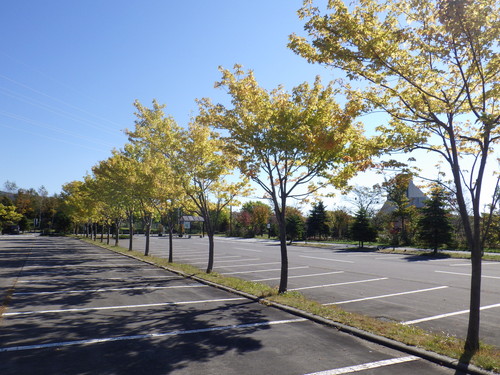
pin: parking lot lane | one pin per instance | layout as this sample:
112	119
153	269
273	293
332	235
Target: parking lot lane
186	329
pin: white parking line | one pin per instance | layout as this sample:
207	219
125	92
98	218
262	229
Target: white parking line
244	249
205	257
102	279
107	265
330	259
386	295
467	274
146	336
251	265
468	264
226	261
366	366
82	309
268	270
338	284
441	316
109	289
296	277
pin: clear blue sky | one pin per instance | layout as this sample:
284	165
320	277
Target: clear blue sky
70	71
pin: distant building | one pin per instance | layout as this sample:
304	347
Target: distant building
415	196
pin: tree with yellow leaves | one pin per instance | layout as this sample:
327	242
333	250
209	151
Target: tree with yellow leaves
158	138
433	66
207	164
285	141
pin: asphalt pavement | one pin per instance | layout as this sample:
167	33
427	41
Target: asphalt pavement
74	308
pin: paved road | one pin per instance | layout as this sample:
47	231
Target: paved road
79	309
430	293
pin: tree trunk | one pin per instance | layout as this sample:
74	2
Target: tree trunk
148	232
130	231
117	233
284	253
108	227
472	341
170	243
210	265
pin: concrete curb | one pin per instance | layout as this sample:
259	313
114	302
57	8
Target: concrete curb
422	353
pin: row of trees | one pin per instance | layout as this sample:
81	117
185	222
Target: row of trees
30	210
431	66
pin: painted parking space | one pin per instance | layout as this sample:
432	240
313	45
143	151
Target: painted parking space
397	287
186	329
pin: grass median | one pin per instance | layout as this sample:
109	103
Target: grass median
488	357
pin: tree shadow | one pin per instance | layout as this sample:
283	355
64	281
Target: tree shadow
142	340
464	362
185	337
426	257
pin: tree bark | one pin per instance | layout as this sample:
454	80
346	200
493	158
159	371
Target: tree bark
170	243
130	231
210	265
284	253
472	341
148	232
117	233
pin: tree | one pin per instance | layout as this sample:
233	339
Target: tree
8	216
340	220
433	67
434	225
158	135
286	140
259	214
206	163
365	198
295	225
317	221
402	211
115	184
361	229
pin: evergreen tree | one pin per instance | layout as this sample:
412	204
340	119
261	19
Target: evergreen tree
317	221
294	227
434	224
361	228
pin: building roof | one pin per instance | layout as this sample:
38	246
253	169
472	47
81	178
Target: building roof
416	197
191	218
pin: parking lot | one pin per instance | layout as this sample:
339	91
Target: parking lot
427	292
73	308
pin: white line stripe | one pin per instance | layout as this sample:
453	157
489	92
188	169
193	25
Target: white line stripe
120	307
338	284
110	289
109	265
251	265
468	264
299	276
268	270
386	295
102	279
332	260
228	261
366	366
205	257
145	336
244	249
467	274
441	316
